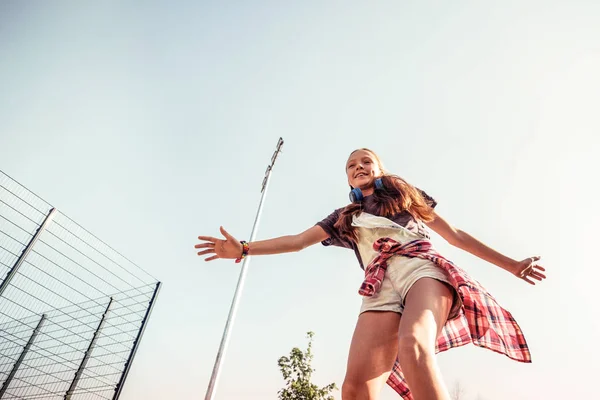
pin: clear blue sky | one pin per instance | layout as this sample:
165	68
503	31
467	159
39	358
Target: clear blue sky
151	123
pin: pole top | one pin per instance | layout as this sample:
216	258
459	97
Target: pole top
270	166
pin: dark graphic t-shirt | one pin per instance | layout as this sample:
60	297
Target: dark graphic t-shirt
403	219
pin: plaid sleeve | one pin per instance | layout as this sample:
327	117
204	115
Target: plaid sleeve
328	225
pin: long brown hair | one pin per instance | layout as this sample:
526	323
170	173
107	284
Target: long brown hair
396	196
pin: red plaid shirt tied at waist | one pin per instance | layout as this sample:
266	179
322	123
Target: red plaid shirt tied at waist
481	321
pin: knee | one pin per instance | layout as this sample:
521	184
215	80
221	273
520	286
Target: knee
412	349
350	389
355	390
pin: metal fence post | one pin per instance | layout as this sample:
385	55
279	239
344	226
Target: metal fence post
22	356
136	343
87	354
13	271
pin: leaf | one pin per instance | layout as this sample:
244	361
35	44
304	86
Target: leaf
297	372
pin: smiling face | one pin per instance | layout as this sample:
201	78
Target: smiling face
362	168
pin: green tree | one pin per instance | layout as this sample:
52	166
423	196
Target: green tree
297	372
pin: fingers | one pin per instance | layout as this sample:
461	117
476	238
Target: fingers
210	242
535	269
526	271
534	261
527	276
203	245
209	251
213	239
201	253
539	274
532	272
526	279
226	234
208	238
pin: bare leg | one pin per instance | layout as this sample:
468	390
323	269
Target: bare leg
372	355
427	306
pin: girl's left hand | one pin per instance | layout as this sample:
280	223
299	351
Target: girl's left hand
529	269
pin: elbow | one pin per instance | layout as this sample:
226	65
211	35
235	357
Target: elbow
297	243
457	239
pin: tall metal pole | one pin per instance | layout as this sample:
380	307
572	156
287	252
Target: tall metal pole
22	356
234	304
25	253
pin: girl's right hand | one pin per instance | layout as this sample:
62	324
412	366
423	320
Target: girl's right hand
228	248
529	269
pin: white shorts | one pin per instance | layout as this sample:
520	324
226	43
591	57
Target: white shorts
399	278
402	272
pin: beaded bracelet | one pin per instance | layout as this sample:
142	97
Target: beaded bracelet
245	250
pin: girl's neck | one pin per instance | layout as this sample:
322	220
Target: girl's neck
367	191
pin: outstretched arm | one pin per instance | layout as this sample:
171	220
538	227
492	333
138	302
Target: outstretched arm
527	269
230	247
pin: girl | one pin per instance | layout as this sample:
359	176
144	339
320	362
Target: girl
415	302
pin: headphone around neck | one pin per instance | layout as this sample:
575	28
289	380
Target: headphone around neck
356	195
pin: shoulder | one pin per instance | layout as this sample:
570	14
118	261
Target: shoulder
431	202
332	218
328	225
